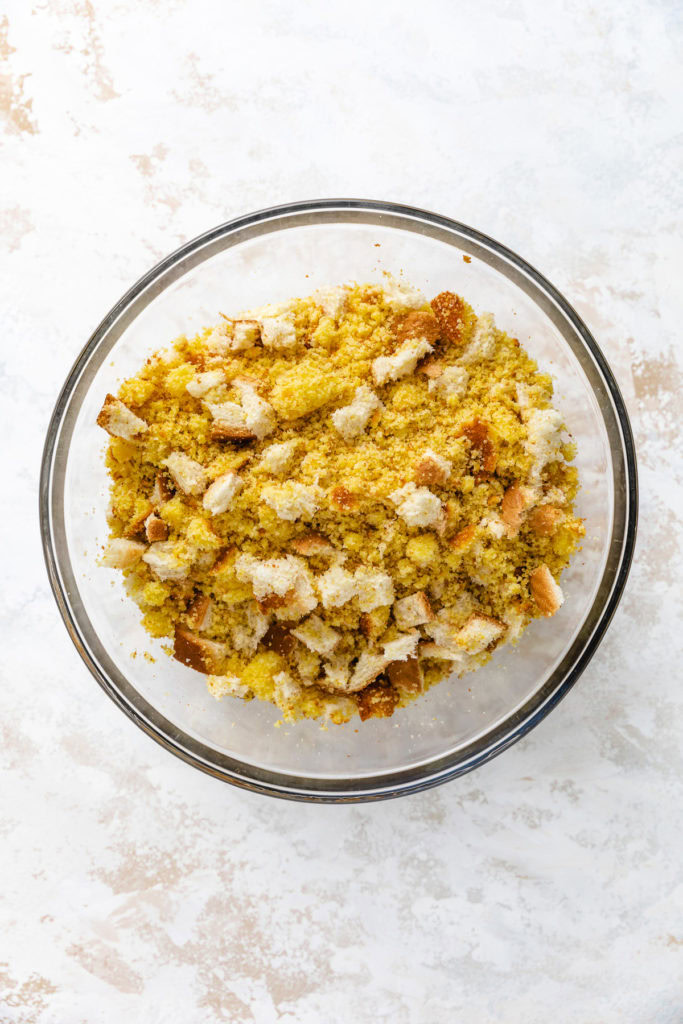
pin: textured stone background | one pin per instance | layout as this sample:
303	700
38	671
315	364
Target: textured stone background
547	885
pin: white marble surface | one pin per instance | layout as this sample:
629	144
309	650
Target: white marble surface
547	885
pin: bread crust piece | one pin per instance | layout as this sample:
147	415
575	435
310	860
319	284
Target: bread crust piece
545	519
313	544
377	701
197	652
118	420
417	324
477	433
413	610
406	675
155	528
199	613
448	310
545	591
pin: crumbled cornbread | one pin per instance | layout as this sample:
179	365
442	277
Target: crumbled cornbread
334	503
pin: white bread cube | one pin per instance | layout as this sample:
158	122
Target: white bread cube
218	496
163	562
259	415
401	648
451	383
478	633
414	610
269	576
187	474
373	589
483	343
227	686
336	587
331	300
402	296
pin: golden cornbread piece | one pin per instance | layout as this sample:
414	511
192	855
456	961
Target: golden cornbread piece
333	503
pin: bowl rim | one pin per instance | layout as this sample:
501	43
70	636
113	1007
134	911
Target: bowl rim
386	784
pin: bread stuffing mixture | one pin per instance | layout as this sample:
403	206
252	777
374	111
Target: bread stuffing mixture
334	503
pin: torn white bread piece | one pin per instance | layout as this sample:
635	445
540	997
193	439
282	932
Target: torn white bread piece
117	419
187	474
483	343
331	300
351	420
218	496
164	563
248	637
402	363
312	545
227	686
336	587
155	528
277	457
417	506
401	295
291	500
259	415
277	332
317	635
121	553
478	633
544	430
204	382
450	383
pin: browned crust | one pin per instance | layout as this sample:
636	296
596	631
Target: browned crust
224	560
279	639
406	675
449	311
478	617
163	490
420	598
417	324
463	538
224	432
313	544
267	604
197	652
512	507
543	591
428	473
477	433
197	612
545	520
343	500
155	529
377	701
372	625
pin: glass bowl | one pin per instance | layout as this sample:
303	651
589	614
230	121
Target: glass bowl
459	724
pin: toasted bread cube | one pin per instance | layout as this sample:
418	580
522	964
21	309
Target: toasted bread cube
404	646
196	651
402	363
155	528
432	368
432	469
117	419
545	591
449	310
373	589
259	415
545	520
478	633
279	638
377	701
299	602
366	670
269	576
406	675
417	324
203	382
245	334
187	474
351	420
278	332
413	610
317	635
218	496
247	638
337	671
121	553
516	501
342	499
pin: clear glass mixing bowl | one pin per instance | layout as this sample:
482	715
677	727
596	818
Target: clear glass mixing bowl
272	255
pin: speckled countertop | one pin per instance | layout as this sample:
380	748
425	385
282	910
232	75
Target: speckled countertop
545	886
